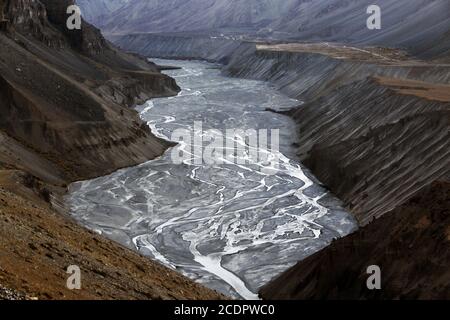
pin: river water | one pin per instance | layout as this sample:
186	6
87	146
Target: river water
232	227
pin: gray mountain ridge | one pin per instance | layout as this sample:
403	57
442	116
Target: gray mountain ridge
421	24
96	11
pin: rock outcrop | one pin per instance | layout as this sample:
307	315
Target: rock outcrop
375	143
96	11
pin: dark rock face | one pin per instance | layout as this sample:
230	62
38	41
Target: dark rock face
376	142
371	144
65	96
409	244
87	40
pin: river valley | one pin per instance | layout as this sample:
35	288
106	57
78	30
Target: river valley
231	227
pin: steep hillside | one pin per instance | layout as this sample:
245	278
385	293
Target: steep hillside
409	244
306	71
374	128
65	93
96	11
377	142
194	15
37	245
65	115
370	117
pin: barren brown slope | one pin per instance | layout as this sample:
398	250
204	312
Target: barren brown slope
38	244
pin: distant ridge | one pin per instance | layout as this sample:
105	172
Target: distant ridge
417	24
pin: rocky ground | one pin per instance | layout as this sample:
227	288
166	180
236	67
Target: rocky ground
417	25
8	294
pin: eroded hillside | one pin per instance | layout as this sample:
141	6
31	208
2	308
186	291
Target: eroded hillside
65	105
416	25
65	94
370	119
374	128
409	244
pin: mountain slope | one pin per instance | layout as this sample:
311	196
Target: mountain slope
64	93
414	24
379	139
37	245
179	15
95	11
417	24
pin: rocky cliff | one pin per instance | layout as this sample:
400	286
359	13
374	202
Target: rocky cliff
65	94
389	141
409	244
